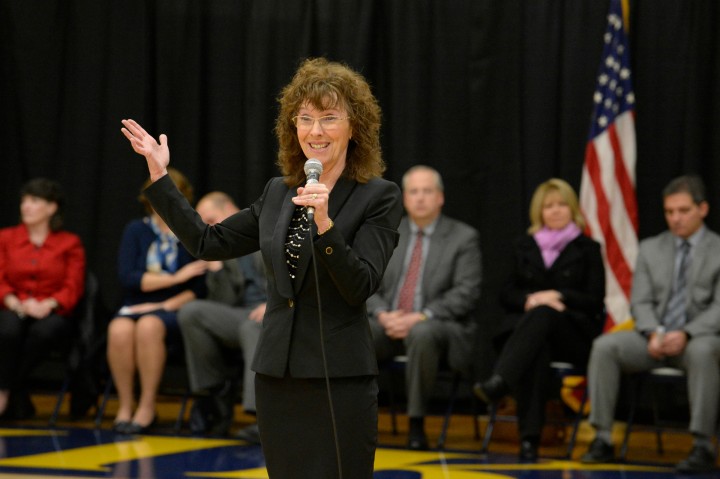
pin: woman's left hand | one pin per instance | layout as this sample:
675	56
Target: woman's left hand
36	309
316	195
549	297
157	155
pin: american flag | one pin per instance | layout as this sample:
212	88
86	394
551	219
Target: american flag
607	189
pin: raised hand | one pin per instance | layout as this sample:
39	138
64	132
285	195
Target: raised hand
156	154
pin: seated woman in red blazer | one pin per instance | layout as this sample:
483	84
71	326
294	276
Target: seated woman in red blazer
42	278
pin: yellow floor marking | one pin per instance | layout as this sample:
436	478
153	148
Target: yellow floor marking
256	473
96	458
30	432
430	464
33	476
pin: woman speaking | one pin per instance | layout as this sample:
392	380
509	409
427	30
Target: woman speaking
316	342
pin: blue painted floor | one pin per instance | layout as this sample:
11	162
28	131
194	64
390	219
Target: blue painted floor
83	452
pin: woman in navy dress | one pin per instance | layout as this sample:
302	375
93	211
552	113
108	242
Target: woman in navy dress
158	276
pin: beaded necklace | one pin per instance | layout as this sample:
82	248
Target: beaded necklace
297	232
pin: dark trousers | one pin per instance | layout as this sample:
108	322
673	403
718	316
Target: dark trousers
26	342
296	430
541	336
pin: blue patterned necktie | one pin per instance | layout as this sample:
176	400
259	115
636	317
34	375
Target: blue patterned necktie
676	312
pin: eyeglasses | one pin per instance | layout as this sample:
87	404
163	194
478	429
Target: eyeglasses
328	122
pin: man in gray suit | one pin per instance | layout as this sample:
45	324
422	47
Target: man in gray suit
230	319
675	303
425	304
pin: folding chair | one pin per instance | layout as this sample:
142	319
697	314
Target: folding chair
654	377
397	365
560	371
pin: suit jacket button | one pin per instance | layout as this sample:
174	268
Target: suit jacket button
291	303
328	250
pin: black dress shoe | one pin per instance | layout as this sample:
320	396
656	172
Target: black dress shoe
223	410
528	451
250	434
213	414
418	443
491	390
137	428
700	459
120	427
598	452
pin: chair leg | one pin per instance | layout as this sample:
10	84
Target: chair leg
492	417
576	425
181	414
476	421
634	393
448	412
60	399
656	421
103	403
396	370
393	406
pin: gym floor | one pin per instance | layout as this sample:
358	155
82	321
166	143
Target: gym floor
30	449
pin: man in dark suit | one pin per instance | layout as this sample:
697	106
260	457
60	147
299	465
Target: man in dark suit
431	288
229	320
676	307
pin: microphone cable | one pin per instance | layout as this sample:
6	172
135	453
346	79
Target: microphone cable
324	358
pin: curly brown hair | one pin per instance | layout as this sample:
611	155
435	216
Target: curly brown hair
325	85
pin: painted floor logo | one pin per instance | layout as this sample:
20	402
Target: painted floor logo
32	453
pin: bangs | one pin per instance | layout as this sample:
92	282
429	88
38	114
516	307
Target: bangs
322	96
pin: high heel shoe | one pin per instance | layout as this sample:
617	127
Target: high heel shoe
120	427
137	428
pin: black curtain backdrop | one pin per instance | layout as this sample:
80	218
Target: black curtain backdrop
497	95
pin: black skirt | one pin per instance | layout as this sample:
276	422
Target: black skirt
296	429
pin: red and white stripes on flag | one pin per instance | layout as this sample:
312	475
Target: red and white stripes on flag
607	188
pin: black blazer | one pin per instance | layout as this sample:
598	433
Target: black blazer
351	259
578	273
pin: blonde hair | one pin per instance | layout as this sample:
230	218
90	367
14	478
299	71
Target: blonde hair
324	85
566	192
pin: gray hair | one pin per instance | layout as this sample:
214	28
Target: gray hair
435	173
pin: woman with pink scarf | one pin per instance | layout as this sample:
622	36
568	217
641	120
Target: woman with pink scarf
554	304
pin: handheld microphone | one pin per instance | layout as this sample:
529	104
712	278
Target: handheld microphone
313	169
